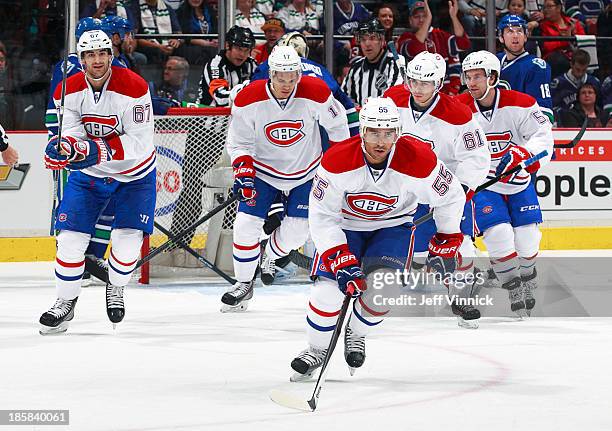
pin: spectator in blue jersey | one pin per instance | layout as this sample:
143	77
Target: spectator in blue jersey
563	88
102	8
585	107
348	15
312	68
520	70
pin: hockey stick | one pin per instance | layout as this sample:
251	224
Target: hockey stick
574	142
286	399
173	238
195	254
57	175
402	68
305	262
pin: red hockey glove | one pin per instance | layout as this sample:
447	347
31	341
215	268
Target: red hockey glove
244	178
512	158
443	250
345	267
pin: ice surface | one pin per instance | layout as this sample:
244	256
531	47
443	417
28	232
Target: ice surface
177	363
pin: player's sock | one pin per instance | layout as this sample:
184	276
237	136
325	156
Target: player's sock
246	248
70	263
323	310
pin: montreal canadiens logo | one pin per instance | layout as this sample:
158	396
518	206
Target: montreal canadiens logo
100	126
62	217
487	210
370	205
499	143
285	133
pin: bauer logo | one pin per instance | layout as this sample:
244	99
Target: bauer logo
100	126
370	205
284	133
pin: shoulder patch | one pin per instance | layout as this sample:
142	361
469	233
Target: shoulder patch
313	88
128	83
515	98
399	94
448	110
252	93
413	158
74	84
539	62
466	99
344	156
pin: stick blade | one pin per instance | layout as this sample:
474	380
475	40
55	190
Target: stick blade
288	400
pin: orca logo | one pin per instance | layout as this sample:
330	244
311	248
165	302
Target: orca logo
284	133
499	144
370	205
100	126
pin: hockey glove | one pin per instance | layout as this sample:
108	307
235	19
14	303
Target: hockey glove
85	153
54	160
443	250
345	267
244	178
512	158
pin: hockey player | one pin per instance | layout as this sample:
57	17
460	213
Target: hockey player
275	147
107	141
458	141
508	212
391	174
520	70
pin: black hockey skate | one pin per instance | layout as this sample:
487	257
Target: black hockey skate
237	299
354	349
115	308
56	320
515	294
306	363
467	315
268	269
529	285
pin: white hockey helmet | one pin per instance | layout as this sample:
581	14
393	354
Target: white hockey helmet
427	66
297	41
92	40
481	60
284	59
379	113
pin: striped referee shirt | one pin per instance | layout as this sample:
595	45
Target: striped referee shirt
220	68
366	79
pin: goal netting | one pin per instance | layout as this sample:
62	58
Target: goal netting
193	176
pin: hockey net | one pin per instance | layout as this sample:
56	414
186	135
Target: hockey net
193	176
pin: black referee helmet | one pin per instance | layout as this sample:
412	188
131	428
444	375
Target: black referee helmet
240	36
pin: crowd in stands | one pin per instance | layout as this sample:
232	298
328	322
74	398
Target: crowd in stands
574	75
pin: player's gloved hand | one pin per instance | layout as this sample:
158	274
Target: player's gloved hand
469	193
443	250
244	178
83	153
236	89
512	158
54	160
345	267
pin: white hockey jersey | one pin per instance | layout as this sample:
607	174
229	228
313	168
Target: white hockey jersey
451	131
285	141
121	114
347	194
516	119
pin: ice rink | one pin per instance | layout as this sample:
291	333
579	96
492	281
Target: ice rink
177	363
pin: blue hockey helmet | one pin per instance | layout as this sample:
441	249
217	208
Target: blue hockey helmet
511	21
87	24
112	24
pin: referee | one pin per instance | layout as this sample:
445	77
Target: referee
9	154
372	74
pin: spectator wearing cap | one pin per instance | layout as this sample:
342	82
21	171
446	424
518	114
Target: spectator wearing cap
585	107
102	8
375	72
300	16
273	29
563	88
198	17
248	16
424	37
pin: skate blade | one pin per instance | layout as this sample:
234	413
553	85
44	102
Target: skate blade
288	400
240	308
297	377
59	329
521	314
352	370
467	324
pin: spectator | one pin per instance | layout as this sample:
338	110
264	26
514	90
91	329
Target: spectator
197	17
519	8
585	108
563	88
475	13
174	4
318	6
348	15
155	17
387	14
376	71
300	16
520	70
606	95
604	48
266	7
7	115
273	29
585	11
174	84
102	8
423	37
248	16
558	53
